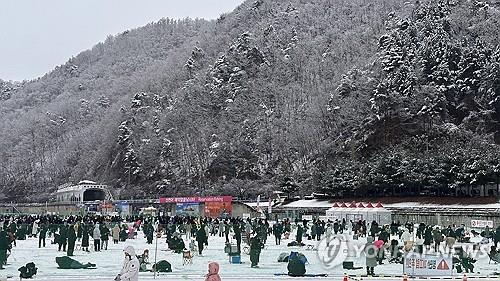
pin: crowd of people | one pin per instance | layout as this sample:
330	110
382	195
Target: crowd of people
384	242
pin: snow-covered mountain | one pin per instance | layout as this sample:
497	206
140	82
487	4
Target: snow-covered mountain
340	97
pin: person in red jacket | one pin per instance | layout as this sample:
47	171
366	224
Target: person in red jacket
213	272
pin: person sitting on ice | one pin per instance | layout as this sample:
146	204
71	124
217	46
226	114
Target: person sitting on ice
176	244
462	261
27	271
296	266
494	254
130	269
144	258
213	272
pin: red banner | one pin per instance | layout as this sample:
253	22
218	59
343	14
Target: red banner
195	199
217	209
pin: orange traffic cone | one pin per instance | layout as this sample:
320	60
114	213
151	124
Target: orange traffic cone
345	277
405	278
464	278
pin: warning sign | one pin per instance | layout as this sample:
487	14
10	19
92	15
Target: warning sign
416	265
443	265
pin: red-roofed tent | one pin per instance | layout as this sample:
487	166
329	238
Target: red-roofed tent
356	211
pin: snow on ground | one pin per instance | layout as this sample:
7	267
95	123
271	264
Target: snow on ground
109	262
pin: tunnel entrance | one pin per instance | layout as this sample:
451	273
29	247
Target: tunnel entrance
93	195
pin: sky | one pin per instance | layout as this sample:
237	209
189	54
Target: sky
38	35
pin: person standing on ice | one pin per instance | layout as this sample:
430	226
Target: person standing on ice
97	238
63	237
237	234
213	272
299	235
34	229
278	231
227	229
201	237
148	232
371	256
85	236
188	231
78	230
407	238
130	269
104	236
328	234
43	235
438	238
428	237
116	233
4	246
497	237
255	249
71	240
207	230
221	228
248	231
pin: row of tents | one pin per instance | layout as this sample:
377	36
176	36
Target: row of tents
356	211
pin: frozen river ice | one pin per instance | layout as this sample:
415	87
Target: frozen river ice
109	262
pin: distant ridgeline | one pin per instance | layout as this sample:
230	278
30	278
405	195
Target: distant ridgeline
345	98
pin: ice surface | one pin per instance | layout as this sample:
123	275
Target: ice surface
109	262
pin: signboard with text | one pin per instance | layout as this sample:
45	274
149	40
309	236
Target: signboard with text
187	209
218	209
416	265
481	223
195	199
123	208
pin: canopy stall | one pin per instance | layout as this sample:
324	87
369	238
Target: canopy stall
358	211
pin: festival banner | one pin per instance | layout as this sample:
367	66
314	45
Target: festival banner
195	199
218	209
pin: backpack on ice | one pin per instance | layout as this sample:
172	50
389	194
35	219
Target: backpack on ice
162	266
27	271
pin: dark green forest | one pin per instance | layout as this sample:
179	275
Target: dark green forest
341	98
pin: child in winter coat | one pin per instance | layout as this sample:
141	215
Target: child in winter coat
371	256
213	272
130	270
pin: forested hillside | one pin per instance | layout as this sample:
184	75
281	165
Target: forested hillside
339	97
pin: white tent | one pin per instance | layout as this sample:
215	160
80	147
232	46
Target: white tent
358	211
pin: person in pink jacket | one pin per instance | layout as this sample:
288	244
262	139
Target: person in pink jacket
213	272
